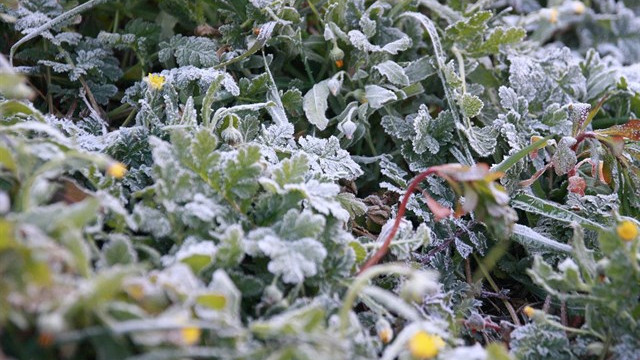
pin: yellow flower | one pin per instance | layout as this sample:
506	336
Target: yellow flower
339	63
425	346
578	7
528	310
627	230
117	170
156	81
190	335
553	15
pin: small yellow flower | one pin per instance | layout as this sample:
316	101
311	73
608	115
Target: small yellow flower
425	346
190	335
528	310
156	81
553	15
578	8
339	63
385	335
117	170
627	230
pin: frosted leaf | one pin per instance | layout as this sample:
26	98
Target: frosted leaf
553	76
196	254
361	42
430	133
202	208
398	127
471	105
315	104
327	156
377	96
578	113
292	170
118	250
393	171
191	50
183	76
231	248
463	248
393	72
151	220
420	69
293	260
298	225
564	159
321	197
482	140
277	137
178	278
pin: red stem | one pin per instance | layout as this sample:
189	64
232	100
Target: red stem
401	209
581	137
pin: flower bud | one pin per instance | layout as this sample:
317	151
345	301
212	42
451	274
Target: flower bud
384	330
336	54
231	135
348	128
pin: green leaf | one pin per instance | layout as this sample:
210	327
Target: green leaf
11	108
119	251
468	29
360	251
534	241
534	205
292	170
498	36
507	163
231	247
212	301
471	105
241	173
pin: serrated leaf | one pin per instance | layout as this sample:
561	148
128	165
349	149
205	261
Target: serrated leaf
498	36
293	260
471	105
564	159
482	140
292	170
241	173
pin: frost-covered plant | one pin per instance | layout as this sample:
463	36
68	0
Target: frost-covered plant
252	179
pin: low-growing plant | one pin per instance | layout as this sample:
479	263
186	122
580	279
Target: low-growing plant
321	179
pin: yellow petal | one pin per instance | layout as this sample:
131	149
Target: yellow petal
425	346
117	170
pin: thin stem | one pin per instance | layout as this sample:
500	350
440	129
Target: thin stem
401	210
495	288
360	283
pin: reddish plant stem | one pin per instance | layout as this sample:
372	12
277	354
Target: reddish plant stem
581	137
401	210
